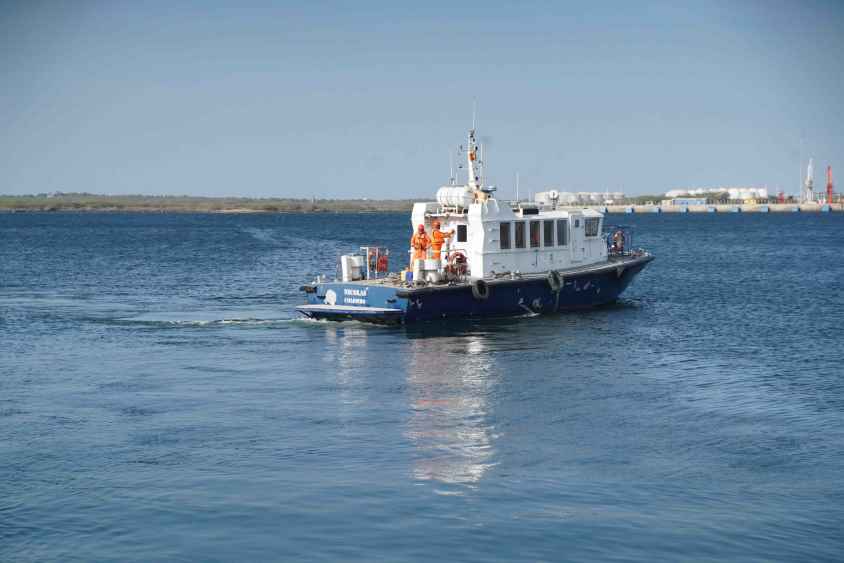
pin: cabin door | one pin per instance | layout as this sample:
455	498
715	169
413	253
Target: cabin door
578	239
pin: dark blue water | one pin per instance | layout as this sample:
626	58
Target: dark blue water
158	401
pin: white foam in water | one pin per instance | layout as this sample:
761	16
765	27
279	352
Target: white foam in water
207	318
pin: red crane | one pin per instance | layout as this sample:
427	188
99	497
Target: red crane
829	184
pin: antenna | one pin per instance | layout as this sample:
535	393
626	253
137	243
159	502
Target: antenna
517	187
474	112
451	178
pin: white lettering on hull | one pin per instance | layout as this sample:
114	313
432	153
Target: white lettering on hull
355	296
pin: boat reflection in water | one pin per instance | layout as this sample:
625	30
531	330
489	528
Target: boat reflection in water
349	345
450	380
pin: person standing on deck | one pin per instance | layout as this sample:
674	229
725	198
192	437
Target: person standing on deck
618	241
419	243
438	237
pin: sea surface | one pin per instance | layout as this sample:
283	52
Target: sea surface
161	401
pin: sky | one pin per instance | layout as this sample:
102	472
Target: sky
367	99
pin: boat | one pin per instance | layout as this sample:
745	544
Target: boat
503	258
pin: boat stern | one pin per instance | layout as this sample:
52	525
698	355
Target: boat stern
368	302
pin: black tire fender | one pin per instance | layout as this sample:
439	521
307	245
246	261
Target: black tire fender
555	281
480	289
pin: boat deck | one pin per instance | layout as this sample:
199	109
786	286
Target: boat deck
386	300
613	261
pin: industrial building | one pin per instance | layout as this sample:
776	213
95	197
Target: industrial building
588	198
701	196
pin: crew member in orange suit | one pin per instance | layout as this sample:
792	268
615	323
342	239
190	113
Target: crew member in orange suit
419	242
438	238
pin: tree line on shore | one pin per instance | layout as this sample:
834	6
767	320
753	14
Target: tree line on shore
195	204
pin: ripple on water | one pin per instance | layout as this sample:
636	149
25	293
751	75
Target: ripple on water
156	386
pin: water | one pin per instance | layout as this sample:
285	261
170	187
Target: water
159	401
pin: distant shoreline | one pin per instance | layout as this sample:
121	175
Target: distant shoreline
90	203
86	203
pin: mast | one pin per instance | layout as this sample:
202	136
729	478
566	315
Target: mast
482	164
473	161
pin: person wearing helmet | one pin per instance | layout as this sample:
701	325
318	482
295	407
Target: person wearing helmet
419	243
438	237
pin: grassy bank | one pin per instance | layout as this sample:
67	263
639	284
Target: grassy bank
190	204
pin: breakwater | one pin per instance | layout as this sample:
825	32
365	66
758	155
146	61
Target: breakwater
724	208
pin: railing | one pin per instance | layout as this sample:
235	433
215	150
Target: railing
377	260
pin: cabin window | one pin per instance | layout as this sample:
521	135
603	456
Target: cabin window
562	232
520	234
504	236
534	233
548	233
577	223
461	233
591	226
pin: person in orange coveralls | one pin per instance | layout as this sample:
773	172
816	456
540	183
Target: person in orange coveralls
438	238
419	242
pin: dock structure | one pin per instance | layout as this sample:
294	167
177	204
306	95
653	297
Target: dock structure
810	207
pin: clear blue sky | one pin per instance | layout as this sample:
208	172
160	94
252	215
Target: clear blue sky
365	99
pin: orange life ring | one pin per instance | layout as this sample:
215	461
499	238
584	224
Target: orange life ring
383	263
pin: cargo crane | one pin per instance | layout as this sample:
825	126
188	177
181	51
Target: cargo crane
829	185
809	184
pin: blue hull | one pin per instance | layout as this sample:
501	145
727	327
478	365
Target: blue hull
503	297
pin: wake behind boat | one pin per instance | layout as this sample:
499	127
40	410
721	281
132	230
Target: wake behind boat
484	257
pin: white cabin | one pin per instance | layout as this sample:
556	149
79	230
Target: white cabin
525	238
511	237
